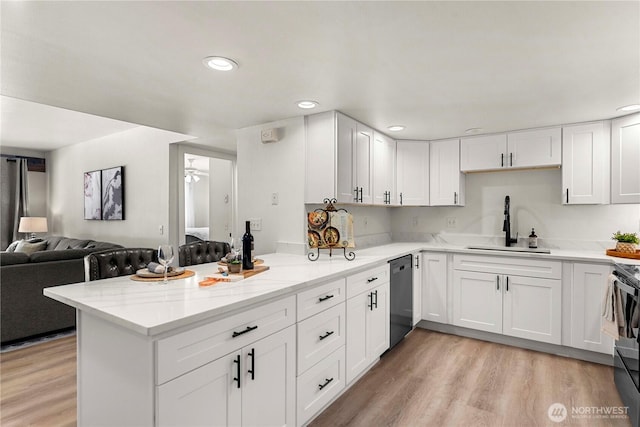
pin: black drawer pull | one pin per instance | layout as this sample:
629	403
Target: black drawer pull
373	279
326	383
249	329
325	298
325	335
237	361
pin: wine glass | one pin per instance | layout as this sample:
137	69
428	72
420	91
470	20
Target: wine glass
165	257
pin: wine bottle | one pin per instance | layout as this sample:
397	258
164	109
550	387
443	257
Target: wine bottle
247	248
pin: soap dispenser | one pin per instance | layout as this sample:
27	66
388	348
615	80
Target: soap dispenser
533	239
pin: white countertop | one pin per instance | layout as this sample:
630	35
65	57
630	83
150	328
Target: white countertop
152	308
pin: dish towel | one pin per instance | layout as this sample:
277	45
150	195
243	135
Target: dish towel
612	312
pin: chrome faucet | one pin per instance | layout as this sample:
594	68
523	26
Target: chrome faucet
506	227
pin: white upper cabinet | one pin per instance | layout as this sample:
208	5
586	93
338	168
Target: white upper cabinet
320	174
384	170
625	159
412	173
525	149
346	132
446	183
585	163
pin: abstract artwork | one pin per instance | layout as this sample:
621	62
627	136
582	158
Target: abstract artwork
113	193
92	195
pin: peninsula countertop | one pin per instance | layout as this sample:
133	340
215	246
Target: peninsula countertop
153	308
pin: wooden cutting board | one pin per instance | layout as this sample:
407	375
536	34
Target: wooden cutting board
613	252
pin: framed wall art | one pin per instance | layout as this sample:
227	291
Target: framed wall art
92	195
113	193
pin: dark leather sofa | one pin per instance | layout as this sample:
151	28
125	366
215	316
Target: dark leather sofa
24	311
203	251
117	262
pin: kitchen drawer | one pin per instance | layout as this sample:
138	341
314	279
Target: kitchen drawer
509	265
320	298
320	335
320	385
191	349
362	282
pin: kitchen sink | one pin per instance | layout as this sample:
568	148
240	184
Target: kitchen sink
510	249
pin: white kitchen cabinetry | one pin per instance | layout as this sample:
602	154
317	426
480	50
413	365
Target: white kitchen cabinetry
511	296
517	150
434	287
412	173
251	386
367	319
585	163
625	158
384	170
417	287
446	183
588	284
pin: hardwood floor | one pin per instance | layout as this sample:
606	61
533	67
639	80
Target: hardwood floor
38	385
434	379
429	379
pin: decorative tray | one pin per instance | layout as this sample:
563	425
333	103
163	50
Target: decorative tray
613	252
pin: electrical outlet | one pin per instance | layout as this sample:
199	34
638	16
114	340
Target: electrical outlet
274	198
255	224
451	222
161	230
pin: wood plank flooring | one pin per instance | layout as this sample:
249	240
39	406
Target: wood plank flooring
434	379
429	379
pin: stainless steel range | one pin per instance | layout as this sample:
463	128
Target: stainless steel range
626	359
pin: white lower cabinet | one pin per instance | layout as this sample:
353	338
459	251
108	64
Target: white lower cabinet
434	287
367	329
254	385
588	284
417	287
505	302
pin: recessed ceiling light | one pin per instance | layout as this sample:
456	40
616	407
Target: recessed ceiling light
307	104
632	107
473	130
219	63
396	128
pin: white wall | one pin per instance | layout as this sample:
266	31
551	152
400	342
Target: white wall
220	199
144	153
264	169
201	202
536	201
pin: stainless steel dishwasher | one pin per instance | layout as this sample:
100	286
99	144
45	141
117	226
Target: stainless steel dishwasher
401	299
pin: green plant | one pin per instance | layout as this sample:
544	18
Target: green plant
625	237
235	261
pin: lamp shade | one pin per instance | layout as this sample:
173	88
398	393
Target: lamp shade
32	224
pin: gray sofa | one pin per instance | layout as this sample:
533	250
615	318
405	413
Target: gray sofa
24	311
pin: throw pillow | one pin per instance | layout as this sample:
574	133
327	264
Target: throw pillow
29	248
12	247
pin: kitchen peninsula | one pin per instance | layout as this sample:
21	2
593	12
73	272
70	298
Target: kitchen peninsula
154	354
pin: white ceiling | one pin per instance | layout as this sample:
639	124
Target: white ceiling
436	67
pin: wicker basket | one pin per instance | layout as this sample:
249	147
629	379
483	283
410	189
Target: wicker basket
626	247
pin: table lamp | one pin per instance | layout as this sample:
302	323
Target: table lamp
33	225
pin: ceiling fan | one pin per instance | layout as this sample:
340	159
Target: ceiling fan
192	174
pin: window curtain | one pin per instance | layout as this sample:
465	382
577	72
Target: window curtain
14	200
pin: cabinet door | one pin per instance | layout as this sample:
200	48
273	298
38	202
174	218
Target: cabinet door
269	373
384	170
534	148
363	163
477	300
532	308
417	287
412	172
479	153
378	323
625	158
446	181
346	144
588	285
208	395
585	164
434	287
356	344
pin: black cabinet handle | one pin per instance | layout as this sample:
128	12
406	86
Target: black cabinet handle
325	335
510	159
324	298
501	160
567	194
400	198
370	305
507	288
455	198
326	383
373	279
356	191
374	293
498	283
360	194
249	329
237	361
252	371
417	261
